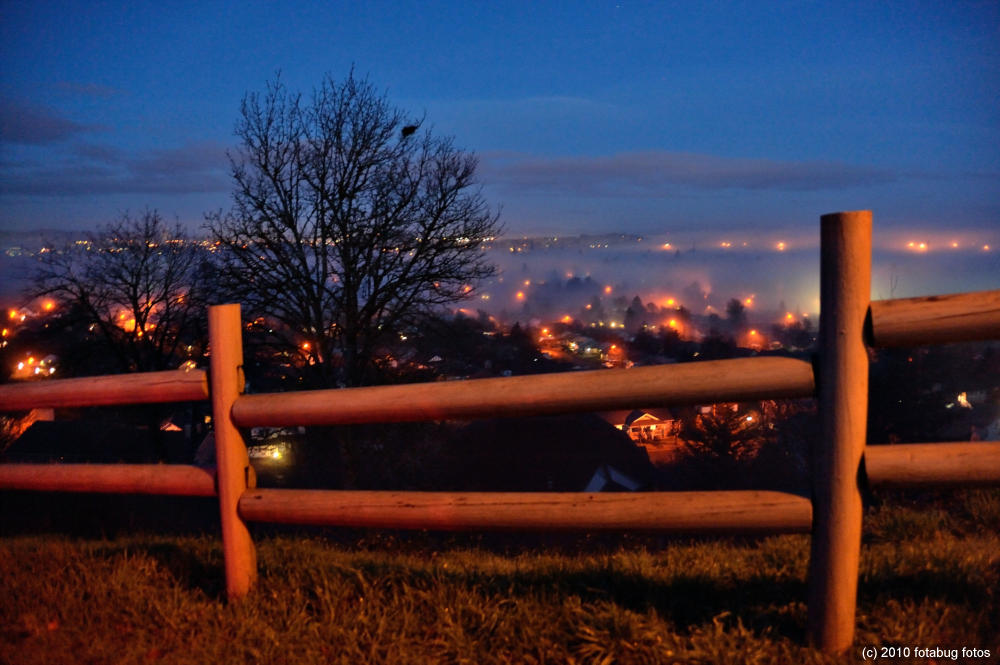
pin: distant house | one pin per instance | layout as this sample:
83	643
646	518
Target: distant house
646	426
571	453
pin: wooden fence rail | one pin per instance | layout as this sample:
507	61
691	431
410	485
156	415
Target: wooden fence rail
962	464
750	512
148	387
691	383
841	460
170	479
959	317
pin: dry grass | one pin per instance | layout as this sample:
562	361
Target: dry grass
930	574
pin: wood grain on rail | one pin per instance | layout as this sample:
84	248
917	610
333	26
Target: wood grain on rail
942	319
142	388
687	512
960	464
596	390
171	479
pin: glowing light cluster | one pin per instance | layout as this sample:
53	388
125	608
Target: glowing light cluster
32	367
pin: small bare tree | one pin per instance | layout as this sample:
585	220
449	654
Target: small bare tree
349	219
136	285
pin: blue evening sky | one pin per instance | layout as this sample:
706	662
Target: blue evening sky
587	116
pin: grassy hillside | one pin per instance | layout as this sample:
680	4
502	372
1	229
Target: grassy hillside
930	577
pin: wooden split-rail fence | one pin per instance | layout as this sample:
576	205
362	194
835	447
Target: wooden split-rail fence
841	461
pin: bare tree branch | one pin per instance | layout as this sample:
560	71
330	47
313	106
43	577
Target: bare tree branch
138	283
348	221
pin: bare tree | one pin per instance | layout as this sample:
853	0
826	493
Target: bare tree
348	221
136	285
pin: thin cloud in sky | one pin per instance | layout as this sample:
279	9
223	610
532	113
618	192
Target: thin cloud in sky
97	169
655	173
32	124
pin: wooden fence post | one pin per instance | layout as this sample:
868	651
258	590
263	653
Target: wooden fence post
225	337
845	292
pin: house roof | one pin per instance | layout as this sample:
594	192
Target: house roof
558	453
628	418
